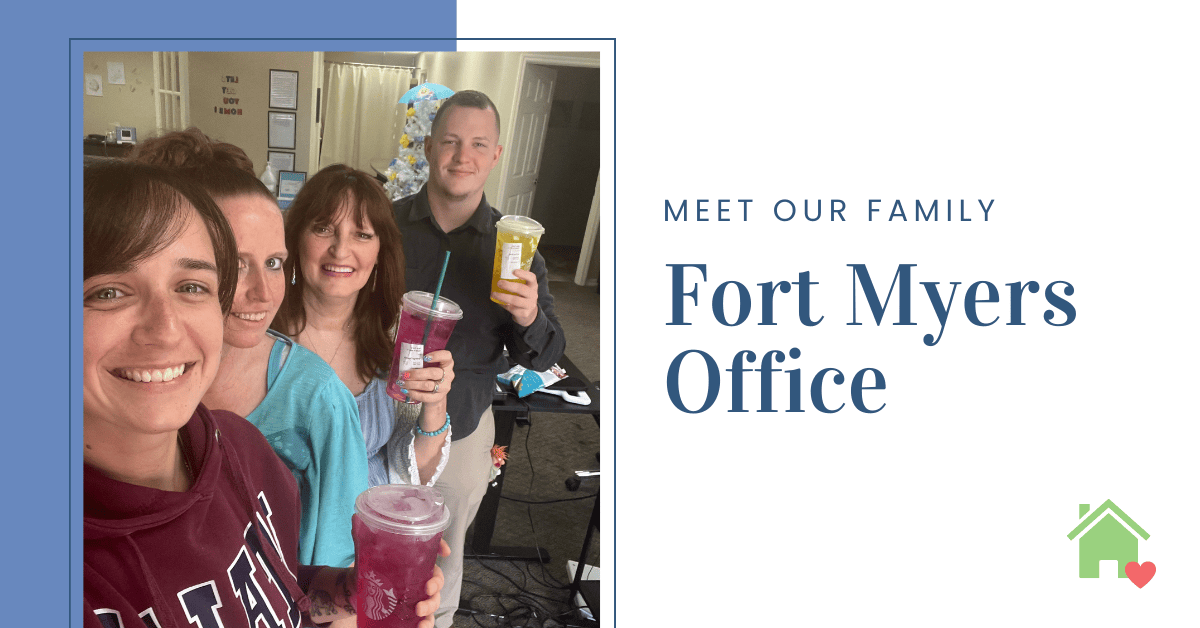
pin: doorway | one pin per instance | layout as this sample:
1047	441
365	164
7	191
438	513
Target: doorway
565	179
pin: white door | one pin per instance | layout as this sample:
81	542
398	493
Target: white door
524	152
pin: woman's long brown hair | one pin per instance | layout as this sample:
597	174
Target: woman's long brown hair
375	309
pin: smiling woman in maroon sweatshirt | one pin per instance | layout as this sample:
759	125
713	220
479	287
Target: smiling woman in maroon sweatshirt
190	519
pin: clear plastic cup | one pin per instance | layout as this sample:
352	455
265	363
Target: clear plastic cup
409	352
516	242
397	530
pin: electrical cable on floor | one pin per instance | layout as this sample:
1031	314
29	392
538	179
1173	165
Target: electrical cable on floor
529	510
529	459
522	605
507	613
512	606
533	474
520	587
526	608
523	588
507	617
537	546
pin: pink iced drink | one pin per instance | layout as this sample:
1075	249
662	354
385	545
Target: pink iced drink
397	529
408	352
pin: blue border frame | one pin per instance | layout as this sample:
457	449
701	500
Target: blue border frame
76	47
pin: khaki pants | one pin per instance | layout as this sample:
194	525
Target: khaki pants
463	483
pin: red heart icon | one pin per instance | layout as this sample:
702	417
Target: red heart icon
1139	574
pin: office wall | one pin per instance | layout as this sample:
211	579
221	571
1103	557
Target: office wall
131	104
250	83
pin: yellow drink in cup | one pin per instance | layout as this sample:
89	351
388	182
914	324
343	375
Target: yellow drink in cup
516	242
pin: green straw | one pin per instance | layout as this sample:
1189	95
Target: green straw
437	292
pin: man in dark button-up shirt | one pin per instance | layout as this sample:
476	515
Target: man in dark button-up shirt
451	214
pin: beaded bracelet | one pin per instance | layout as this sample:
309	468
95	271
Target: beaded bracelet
445	426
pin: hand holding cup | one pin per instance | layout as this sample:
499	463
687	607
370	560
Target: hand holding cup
334	592
523	302
433	589
429	384
397	538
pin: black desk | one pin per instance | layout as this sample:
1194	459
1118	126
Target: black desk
506	412
103	148
589	590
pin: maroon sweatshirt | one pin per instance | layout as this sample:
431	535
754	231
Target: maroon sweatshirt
220	554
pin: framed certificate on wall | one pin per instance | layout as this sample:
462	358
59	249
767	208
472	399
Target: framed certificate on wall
281	130
280	160
284	84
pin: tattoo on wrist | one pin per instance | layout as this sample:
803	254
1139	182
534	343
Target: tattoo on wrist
322	604
348	598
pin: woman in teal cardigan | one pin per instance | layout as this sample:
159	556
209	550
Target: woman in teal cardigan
294	398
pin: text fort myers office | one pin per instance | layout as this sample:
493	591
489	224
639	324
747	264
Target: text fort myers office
689	279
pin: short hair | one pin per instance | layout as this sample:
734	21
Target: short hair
222	169
465	98
132	210
379	301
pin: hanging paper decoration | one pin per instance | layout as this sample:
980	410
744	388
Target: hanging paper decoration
427	91
409	170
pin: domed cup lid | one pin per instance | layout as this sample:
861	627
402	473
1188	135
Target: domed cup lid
403	509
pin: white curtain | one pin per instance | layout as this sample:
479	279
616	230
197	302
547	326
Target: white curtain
362	120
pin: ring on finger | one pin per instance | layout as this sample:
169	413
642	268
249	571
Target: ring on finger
443	376
436	385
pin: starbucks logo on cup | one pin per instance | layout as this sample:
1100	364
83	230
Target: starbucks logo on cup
378	600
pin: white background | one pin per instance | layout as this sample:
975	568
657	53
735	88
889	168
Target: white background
952	506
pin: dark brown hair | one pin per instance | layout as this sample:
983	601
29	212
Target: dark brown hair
132	211
379	301
465	98
222	169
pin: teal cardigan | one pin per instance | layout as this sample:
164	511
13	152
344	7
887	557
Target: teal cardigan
311	420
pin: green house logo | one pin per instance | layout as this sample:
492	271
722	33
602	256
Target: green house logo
1106	533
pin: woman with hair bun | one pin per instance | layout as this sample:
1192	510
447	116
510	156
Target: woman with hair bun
292	396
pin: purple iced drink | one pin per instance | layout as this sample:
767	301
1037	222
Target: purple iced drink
397	529
409	352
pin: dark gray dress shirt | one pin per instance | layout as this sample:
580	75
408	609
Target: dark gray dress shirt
486	328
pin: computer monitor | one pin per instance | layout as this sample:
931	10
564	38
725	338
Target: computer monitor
126	135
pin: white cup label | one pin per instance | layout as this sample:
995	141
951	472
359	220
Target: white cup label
412	356
510	260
